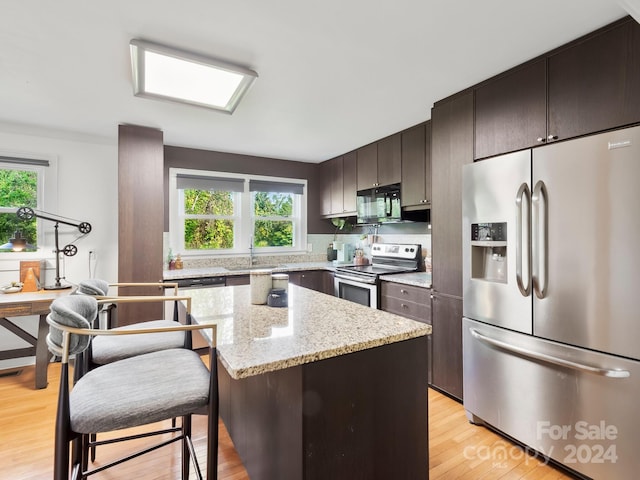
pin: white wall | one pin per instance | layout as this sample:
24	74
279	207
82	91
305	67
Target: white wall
87	190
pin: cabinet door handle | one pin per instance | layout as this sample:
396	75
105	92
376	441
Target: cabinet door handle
402	290
541	139
552	137
404	306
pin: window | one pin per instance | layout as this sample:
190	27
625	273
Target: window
209	210
274	212
223	213
21	185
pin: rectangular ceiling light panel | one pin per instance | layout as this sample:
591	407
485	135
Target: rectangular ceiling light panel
166	73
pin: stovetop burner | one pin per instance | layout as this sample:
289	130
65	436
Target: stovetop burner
387	258
373	269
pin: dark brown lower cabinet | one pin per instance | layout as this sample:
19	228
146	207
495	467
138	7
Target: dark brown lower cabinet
411	302
446	321
233	280
318	280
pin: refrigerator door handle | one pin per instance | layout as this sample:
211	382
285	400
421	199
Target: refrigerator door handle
540	239
523	210
603	372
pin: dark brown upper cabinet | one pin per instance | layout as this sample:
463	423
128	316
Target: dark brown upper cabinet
379	163
511	111
594	85
338	195
389	160
349	179
416	166
337	185
367	166
326	185
584	87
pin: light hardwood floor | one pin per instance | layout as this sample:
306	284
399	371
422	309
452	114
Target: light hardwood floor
458	450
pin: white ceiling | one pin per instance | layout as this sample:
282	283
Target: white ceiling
333	75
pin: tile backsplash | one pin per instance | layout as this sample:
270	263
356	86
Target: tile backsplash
321	242
317	252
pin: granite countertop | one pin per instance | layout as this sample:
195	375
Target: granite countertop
169	275
417	279
255	339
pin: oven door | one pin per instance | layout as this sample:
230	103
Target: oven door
356	291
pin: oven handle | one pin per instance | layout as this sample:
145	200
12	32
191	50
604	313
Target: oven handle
353	278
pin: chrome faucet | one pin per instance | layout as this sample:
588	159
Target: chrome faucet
251	256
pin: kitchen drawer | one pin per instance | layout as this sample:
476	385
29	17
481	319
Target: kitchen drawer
412	310
408	293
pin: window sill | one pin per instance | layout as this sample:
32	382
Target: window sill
17	256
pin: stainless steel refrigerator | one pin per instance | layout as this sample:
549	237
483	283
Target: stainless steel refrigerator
551	328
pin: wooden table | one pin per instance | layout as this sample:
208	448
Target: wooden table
21	305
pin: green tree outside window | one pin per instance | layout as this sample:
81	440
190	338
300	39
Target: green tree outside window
272	226
208	233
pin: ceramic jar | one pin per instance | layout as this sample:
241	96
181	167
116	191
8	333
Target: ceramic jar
260	281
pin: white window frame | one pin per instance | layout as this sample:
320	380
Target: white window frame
46	198
244	217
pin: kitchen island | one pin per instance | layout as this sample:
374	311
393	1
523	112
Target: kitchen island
322	389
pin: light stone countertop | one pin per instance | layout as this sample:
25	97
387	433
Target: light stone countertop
169	275
255	339
417	279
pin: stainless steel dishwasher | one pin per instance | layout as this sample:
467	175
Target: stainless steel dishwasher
200	282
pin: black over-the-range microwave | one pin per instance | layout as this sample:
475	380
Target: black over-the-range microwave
382	205
379	205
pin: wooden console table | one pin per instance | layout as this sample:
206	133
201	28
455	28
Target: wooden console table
21	305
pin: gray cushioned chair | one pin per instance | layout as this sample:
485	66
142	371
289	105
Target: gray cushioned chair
126	393
107	349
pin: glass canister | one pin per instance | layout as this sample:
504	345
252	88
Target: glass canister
280	281
260	281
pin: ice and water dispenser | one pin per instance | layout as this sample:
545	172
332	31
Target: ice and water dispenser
489	252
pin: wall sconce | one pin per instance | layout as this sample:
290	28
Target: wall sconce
26	213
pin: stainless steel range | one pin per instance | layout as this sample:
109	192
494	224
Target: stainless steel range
359	283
